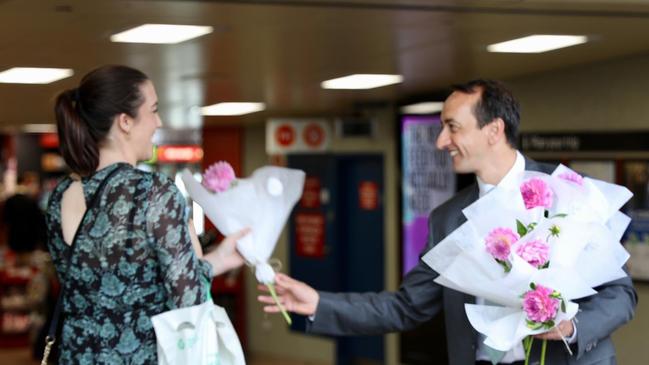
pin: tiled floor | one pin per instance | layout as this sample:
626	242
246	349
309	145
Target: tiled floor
22	356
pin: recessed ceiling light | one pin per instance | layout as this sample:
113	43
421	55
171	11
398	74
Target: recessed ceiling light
161	33
361	81
427	107
225	109
34	75
537	43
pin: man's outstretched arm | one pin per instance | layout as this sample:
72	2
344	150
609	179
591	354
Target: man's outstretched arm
417	300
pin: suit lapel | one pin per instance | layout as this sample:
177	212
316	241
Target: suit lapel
531	165
470	196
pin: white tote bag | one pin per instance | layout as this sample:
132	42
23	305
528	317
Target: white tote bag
197	335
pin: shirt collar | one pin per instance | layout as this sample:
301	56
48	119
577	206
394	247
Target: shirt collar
510	177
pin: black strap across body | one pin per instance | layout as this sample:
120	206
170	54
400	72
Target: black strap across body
51	334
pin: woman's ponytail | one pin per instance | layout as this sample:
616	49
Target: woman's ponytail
78	147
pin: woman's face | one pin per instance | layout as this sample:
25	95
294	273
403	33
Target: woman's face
146	123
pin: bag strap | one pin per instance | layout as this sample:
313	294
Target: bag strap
51	334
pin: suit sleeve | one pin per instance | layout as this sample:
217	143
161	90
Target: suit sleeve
417	300
600	315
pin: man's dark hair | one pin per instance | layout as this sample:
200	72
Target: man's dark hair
496	101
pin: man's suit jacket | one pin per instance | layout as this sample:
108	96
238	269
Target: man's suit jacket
419	298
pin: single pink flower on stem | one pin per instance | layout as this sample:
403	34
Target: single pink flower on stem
535	252
536	193
218	177
499	242
572	177
540	304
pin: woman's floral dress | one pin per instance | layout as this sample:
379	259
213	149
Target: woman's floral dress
133	259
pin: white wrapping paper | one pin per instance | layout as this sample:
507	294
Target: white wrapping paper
585	254
262	202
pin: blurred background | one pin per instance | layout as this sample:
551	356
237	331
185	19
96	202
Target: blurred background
258	82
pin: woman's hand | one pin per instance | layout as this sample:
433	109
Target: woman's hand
226	257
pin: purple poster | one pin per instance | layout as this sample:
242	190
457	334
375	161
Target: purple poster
428	181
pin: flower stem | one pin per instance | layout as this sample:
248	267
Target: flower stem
271	288
545	345
528	348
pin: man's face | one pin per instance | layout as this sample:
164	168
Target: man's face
467	144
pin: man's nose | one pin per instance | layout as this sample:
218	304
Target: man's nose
442	139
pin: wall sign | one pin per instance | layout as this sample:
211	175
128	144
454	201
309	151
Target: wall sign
368	195
428	181
561	142
310	234
311	193
190	154
297	136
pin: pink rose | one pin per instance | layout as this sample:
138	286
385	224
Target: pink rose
535	252
218	177
539	304
536	193
572	177
499	242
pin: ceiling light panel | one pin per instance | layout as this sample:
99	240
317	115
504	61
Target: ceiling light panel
161	33
537	43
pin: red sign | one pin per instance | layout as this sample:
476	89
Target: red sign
368	195
311	195
49	140
310	234
180	154
285	135
313	135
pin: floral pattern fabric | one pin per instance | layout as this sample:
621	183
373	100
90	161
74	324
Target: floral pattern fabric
133	259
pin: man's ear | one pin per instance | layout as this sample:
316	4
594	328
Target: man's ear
496	130
124	122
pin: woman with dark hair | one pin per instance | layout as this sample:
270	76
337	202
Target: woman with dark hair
131	254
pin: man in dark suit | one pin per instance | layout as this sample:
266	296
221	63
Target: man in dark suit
480	123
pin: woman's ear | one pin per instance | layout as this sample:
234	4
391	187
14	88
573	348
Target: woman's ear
124	122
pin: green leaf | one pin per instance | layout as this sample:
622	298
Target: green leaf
563	306
560	215
555	230
520	227
534	325
533	286
506	265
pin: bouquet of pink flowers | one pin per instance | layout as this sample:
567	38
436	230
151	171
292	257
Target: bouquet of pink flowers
261	202
533	250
